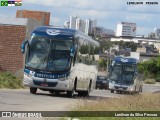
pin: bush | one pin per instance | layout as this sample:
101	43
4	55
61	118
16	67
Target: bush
158	78
150	81
102	64
8	80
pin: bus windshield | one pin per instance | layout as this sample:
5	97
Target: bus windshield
123	73
48	54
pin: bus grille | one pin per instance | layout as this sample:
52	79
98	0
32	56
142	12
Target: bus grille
49	84
120	87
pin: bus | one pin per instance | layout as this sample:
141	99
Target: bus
53	61
123	75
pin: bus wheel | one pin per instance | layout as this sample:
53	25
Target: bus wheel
80	93
86	93
57	92
140	89
112	91
70	93
88	90
33	90
52	92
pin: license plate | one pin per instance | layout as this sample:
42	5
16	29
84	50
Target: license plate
44	84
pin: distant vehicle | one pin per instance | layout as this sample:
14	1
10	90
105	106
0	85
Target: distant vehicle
102	82
54	62
123	75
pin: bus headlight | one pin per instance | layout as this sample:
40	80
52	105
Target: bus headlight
112	82
64	78
130	88
31	74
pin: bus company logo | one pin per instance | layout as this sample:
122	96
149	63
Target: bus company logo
124	60
52	32
32	73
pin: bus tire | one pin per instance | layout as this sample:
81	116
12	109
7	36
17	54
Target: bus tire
57	93
70	93
33	90
52	92
80	93
89	89
140	89
112	91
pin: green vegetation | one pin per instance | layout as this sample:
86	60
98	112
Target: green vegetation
141	102
8	80
102	64
106	44
150	69
89	49
123	45
149	81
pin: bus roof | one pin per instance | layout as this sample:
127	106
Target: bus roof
64	33
128	60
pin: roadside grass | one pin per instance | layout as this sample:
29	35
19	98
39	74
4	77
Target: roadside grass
140	102
9	80
150	81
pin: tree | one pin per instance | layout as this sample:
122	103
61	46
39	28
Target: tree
102	64
150	68
84	49
105	45
96	50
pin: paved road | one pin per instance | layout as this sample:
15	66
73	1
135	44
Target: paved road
22	100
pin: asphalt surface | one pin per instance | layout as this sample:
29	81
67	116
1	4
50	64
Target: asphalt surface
22	100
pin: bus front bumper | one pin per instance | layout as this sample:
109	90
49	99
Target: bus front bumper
48	84
124	88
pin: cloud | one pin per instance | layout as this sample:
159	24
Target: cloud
107	12
90	14
138	17
100	5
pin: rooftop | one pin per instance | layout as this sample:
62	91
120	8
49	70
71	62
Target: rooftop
12	21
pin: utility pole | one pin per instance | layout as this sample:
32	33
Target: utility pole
107	63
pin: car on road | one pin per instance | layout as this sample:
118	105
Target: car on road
102	82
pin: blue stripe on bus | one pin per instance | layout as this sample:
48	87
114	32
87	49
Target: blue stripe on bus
47	75
26	71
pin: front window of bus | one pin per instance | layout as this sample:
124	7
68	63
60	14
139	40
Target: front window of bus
49	54
129	70
37	53
116	73
123	73
59	57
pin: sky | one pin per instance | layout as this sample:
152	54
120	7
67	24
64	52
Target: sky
107	12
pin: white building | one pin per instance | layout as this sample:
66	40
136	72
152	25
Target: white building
126	29
72	22
84	26
80	25
90	24
157	32
66	24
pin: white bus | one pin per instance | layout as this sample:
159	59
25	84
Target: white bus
55	61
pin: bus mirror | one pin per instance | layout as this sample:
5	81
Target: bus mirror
136	72
109	69
23	46
72	51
